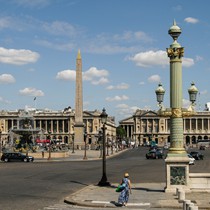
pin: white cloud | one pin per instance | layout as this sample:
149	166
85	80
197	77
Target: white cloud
191	20
198	58
68	75
94	72
5	22
129	36
58	46
60	28
29	91
121	86
17	57
117	98
185	103
142	83
125	110
96	76
177	8
156	58
6	78
100	81
154	78
150	58
3	101
188	62
204	92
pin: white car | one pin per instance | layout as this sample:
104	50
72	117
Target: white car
191	159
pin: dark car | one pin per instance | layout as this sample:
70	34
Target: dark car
197	155
154	155
16	156
202	147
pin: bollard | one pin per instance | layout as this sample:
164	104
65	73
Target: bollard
181	195
177	191
189	205
193	208
185	202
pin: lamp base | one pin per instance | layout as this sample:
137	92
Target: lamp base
104	183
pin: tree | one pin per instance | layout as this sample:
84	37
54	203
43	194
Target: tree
121	132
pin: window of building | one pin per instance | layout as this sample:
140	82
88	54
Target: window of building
187	124
205	124
193	121
199	124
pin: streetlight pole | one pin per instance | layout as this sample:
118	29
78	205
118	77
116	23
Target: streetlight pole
107	145
0	142
177	161
100	140
112	144
73	143
85	139
104	181
49	157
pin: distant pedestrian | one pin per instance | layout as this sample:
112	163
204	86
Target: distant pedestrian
124	194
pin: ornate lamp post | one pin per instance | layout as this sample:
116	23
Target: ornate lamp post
49	157
177	161
107	145
0	142
85	139
73	143
104	181
100	141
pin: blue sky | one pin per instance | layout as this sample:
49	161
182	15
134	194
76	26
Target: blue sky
123	47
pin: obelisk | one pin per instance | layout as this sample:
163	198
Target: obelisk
79	126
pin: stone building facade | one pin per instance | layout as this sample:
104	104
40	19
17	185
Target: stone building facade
49	124
146	125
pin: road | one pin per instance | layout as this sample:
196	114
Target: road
39	185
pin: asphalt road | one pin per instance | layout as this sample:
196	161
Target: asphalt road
34	186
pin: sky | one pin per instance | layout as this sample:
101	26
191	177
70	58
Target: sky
123	47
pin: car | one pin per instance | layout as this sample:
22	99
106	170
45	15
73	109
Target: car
16	156
202	147
154	155
197	155
191	159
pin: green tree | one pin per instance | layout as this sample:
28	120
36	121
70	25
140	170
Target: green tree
121	132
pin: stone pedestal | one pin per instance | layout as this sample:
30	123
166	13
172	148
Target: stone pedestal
177	173
79	136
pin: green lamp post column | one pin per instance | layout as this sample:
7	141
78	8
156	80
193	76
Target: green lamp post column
177	161
175	53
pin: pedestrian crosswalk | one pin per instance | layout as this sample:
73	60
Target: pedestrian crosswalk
64	206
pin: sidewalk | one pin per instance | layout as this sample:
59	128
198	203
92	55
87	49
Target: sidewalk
144	195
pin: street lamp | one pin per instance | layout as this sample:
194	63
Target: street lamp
0	142
177	161
99	141
107	145
85	139
73	143
49	157
104	181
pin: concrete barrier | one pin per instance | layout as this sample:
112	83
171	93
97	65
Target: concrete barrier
199	182
181	195
188	205
193	208
185	202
